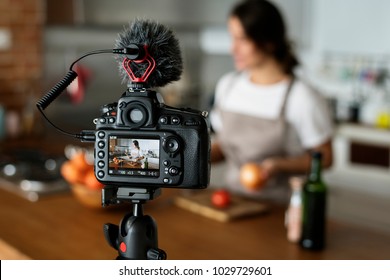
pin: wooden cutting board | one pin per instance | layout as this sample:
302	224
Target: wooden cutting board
200	202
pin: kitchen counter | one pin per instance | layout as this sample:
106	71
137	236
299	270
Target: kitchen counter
59	227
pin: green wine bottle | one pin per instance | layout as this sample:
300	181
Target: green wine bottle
146	166
314	207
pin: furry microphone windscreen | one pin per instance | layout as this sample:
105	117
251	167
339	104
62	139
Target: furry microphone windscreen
163	47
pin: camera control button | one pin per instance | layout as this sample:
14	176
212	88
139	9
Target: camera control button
173	171
175	120
101	164
111	120
102	120
163	120
100	154
101	134
100	174
166	162
167	181
171	145
101	144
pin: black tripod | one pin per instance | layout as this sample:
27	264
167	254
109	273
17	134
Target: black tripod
136	236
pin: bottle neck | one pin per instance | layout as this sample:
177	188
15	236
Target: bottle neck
315	169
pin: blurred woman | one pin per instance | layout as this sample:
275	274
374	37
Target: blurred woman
263	113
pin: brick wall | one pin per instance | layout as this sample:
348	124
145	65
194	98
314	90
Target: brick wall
21	65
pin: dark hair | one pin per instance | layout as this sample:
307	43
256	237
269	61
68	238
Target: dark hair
264	24
136	144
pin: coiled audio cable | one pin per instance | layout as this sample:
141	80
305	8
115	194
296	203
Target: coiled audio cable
133	52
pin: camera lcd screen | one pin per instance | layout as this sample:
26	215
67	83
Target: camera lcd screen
134	156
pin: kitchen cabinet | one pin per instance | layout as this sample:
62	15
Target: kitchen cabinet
360	175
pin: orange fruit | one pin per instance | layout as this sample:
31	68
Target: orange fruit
251	176
79	161
71	173
91	182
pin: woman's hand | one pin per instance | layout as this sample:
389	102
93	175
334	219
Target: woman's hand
216	153
297	164
269	167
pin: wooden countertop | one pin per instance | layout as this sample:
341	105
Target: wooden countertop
59	227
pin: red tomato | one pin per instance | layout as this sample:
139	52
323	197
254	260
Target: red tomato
221	198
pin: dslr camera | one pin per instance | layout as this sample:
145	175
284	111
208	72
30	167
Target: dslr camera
141	142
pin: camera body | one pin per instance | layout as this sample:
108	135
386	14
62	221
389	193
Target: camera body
143	143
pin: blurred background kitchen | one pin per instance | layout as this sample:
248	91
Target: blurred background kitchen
343	46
